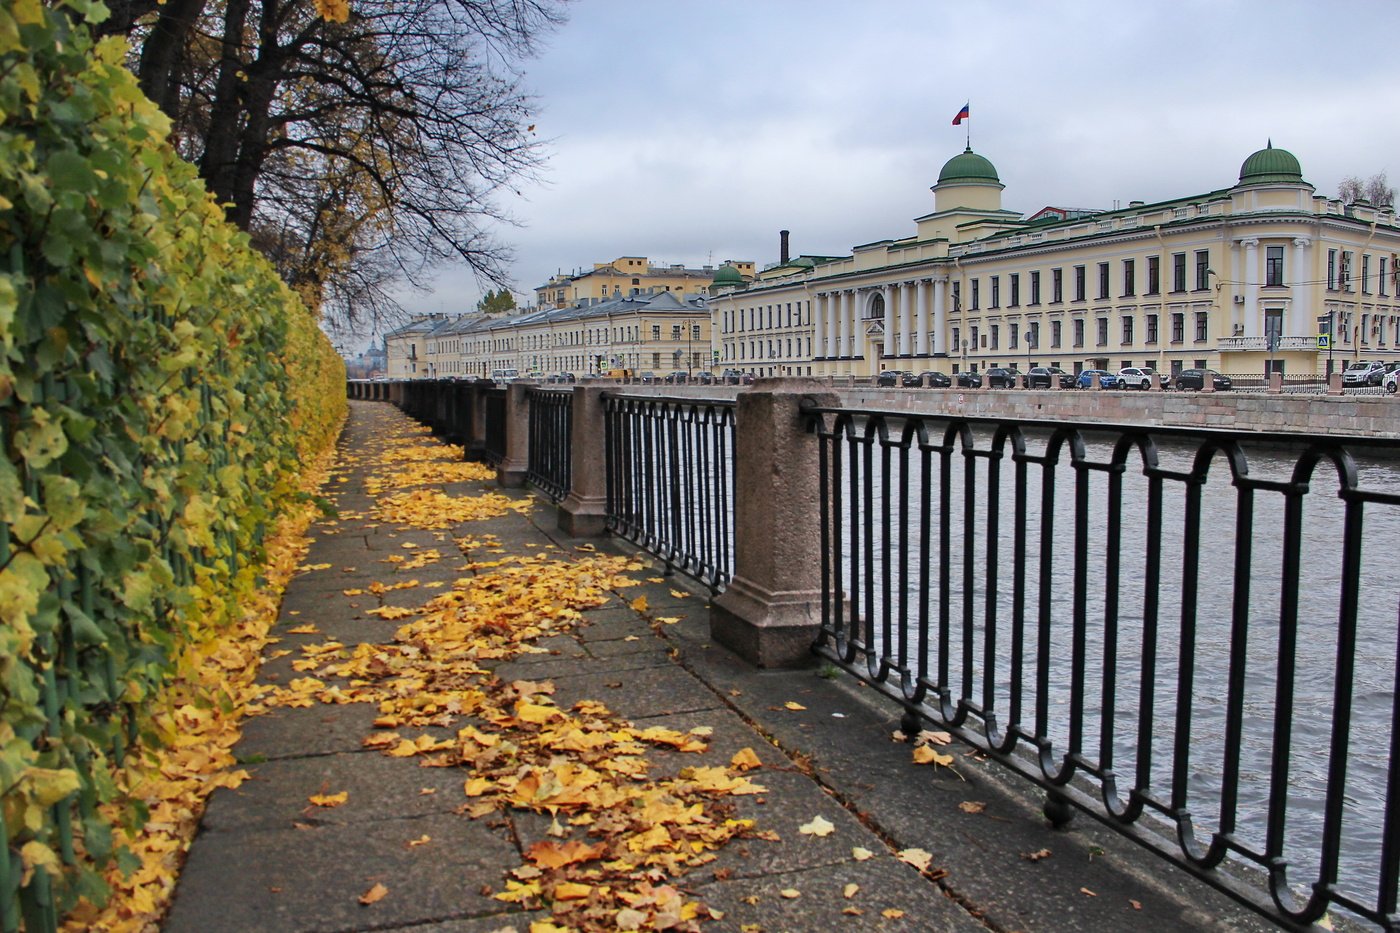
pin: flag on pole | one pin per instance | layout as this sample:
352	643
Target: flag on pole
962	114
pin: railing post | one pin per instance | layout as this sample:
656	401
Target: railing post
1275	383
584	511
771	612
513	468
1334	384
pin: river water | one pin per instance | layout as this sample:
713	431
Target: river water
1367	736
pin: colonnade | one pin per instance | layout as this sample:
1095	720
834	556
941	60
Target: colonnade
912	318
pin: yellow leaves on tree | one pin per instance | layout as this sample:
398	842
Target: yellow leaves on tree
333	11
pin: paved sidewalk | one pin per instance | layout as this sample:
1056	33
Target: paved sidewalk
266	860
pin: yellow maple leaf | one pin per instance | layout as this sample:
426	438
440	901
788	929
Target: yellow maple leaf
925	755
745	759
639	604
329	800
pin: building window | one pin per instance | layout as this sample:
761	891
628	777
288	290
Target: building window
1103	332
1200	327
1202	268
973	330
957	296
1380	277
695	331
1178	272
1035	287
1151	329
1127	332
1154	274
675	332
1345	280
1332	269
996	292
1273	265
996	336
1365	274
1015	289
1079	332
975	294
1103	281
656	332
1057	285
957	338
1013	336
1033	336
1129	278
1178	327
1078	283
1056	331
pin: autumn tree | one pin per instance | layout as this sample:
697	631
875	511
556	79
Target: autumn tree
1375	189
361	144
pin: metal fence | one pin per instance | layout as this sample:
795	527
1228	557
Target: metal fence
550	459
1192	639
670	481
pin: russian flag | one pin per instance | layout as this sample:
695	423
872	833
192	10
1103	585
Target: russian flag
963	114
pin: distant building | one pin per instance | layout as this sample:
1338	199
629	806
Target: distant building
405	348
627	277
1234	279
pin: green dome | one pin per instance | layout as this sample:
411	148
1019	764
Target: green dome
1271	166
968	166
727	276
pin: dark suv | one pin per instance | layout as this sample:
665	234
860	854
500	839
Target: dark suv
891	377
931	378
969	380
1040	376
1000	378
1195	379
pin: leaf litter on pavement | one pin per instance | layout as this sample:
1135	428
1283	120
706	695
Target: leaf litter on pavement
620	838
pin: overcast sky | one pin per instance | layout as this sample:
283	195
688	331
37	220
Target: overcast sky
693	132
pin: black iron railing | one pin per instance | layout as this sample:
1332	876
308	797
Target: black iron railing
670	466
551	437
494	441
1191	636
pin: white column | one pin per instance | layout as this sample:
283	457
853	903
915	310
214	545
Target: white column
906	317
937	328
1251	286
833	324
888	292
1301	313
921	319
844	300
818	312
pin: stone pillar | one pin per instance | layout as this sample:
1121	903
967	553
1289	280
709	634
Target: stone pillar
906	318
1275	383
936	325
921	319
889	322
1300	313
771	612
847	308
1251	287
818	306
512	469
833	324
1334	384
474	443
583	512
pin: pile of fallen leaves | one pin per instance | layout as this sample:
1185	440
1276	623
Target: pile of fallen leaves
622	833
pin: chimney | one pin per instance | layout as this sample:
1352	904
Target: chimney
783	247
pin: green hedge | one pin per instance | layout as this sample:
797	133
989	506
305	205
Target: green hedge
160	390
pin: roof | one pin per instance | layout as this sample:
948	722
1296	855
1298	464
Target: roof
1270	166
967	167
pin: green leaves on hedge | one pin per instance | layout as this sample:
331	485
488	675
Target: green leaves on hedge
160	388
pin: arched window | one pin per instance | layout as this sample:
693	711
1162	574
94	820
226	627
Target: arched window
877	308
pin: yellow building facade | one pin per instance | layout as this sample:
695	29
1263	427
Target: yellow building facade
1262	273
627	277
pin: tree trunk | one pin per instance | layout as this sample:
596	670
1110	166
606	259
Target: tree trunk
163	54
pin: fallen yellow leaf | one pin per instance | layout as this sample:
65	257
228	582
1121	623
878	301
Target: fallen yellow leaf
790	893
892	913
374	895
817	827
745	759
639	604
923	755
850	891
329	800
793	706
916	857
861	854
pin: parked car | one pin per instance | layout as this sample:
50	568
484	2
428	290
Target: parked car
969	380
648	378
705	378
891	377
677	378
1378	375
731	377
1358	373
1106	379
1040	376
934	379
1000	377
1135	378
1195	379
1391	381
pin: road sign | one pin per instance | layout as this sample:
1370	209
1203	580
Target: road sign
1324	341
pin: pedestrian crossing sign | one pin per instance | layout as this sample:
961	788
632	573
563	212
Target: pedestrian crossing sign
1324	341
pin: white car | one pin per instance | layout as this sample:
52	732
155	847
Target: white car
1391	381
1135	378
1359	373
